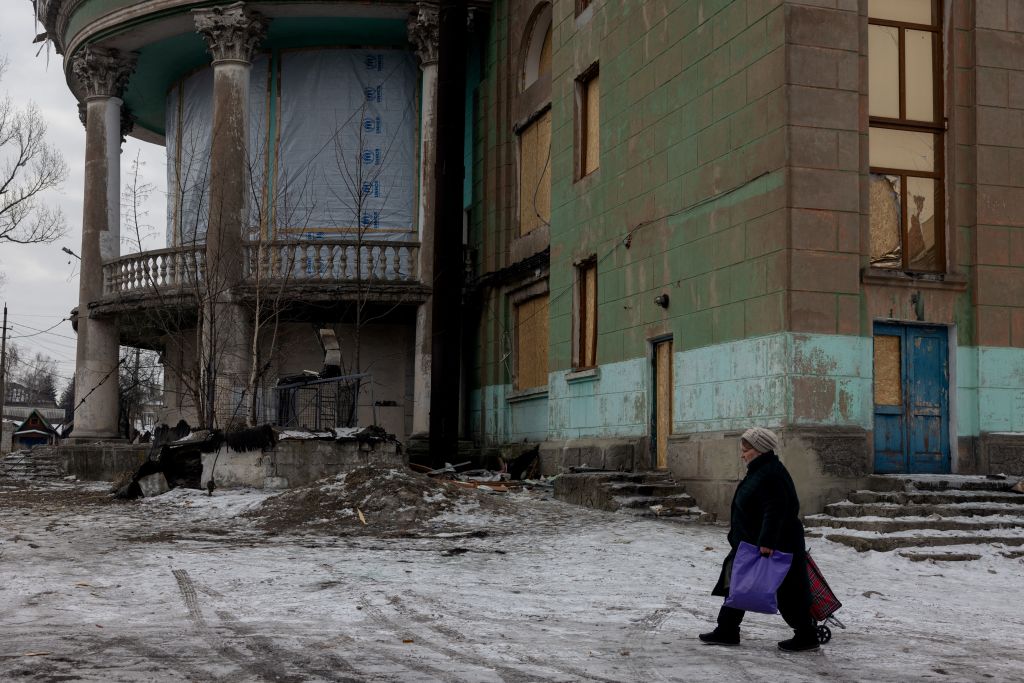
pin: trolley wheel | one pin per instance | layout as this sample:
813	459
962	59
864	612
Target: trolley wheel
824	634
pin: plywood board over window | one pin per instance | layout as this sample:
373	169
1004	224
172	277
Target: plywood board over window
588	122
906	135
535	174
591	124
888	382
531	320
586	315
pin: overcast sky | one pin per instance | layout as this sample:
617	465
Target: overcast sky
41	285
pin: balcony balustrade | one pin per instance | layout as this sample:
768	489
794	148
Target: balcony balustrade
180	270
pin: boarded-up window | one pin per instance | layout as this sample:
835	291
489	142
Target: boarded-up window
535	174
906	135
888	384
544	65
532	343
588	122
586	315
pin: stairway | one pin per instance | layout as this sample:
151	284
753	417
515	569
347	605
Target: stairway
920	514
36	464
644	494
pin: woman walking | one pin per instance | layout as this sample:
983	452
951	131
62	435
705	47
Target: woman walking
765	511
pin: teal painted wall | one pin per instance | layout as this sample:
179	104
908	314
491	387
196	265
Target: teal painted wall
1000	389
613	403
776	380
495	420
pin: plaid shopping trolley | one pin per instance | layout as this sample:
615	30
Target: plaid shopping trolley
824	602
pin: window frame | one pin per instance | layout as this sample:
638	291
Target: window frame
585	324
938	128
516	299
581	121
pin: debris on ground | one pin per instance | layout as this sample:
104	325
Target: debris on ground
370	500
522	472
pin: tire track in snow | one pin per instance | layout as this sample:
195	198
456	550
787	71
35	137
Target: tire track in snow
506	673
295	659
454	634
254	663
636	641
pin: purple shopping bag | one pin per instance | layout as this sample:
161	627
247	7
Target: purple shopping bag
755	579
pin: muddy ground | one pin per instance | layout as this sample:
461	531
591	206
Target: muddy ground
187	587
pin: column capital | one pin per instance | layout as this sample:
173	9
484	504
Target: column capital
103	72
232	32
422	28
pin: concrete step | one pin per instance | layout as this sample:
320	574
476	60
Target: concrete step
646	488
924	556
847	509
892	524
937	497
939	482
694	514
894	541
680	500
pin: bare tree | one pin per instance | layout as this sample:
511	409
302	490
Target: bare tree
29	167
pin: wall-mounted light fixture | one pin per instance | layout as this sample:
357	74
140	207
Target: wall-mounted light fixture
661	300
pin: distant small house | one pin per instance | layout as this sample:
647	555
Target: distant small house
34	431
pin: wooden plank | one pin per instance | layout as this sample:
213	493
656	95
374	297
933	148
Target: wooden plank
532	343
663	400
888	387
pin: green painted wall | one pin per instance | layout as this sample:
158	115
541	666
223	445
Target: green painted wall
688	197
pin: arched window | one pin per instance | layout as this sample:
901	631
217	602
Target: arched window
537	58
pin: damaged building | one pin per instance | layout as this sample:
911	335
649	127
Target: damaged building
682	218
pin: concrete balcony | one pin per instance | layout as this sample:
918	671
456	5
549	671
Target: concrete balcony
292	271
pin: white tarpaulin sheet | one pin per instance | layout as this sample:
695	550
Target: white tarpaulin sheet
347	150
189	120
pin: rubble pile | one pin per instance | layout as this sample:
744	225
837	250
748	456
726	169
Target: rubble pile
371	500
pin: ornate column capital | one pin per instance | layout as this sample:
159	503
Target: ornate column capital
422	28
232	32
103	72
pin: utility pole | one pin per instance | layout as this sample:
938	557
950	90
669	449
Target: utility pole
449	269
3	372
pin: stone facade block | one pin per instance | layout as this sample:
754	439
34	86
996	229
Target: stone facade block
826	272
822	27
812	311
817	189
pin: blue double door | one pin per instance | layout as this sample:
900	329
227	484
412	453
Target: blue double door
911	390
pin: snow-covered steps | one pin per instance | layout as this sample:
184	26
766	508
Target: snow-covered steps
646	494
924	512
35	464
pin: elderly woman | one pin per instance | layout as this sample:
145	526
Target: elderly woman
764	513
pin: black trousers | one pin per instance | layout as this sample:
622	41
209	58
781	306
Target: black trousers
794	597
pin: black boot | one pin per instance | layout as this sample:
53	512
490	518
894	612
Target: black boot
720	636
801	642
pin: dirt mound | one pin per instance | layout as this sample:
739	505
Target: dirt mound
391	501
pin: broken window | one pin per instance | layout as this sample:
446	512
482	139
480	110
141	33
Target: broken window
906	139
586	315
531	361
588	122
535	174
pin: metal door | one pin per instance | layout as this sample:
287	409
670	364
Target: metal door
911	390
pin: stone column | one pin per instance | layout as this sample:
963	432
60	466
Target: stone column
232	33
422	28
103	74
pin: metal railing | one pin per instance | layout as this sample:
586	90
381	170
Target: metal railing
315	404
278	261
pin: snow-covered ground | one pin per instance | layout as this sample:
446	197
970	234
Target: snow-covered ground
179	587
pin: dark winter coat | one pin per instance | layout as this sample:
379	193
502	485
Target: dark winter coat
765	513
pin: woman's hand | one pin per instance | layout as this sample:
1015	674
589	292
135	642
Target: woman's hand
766	552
